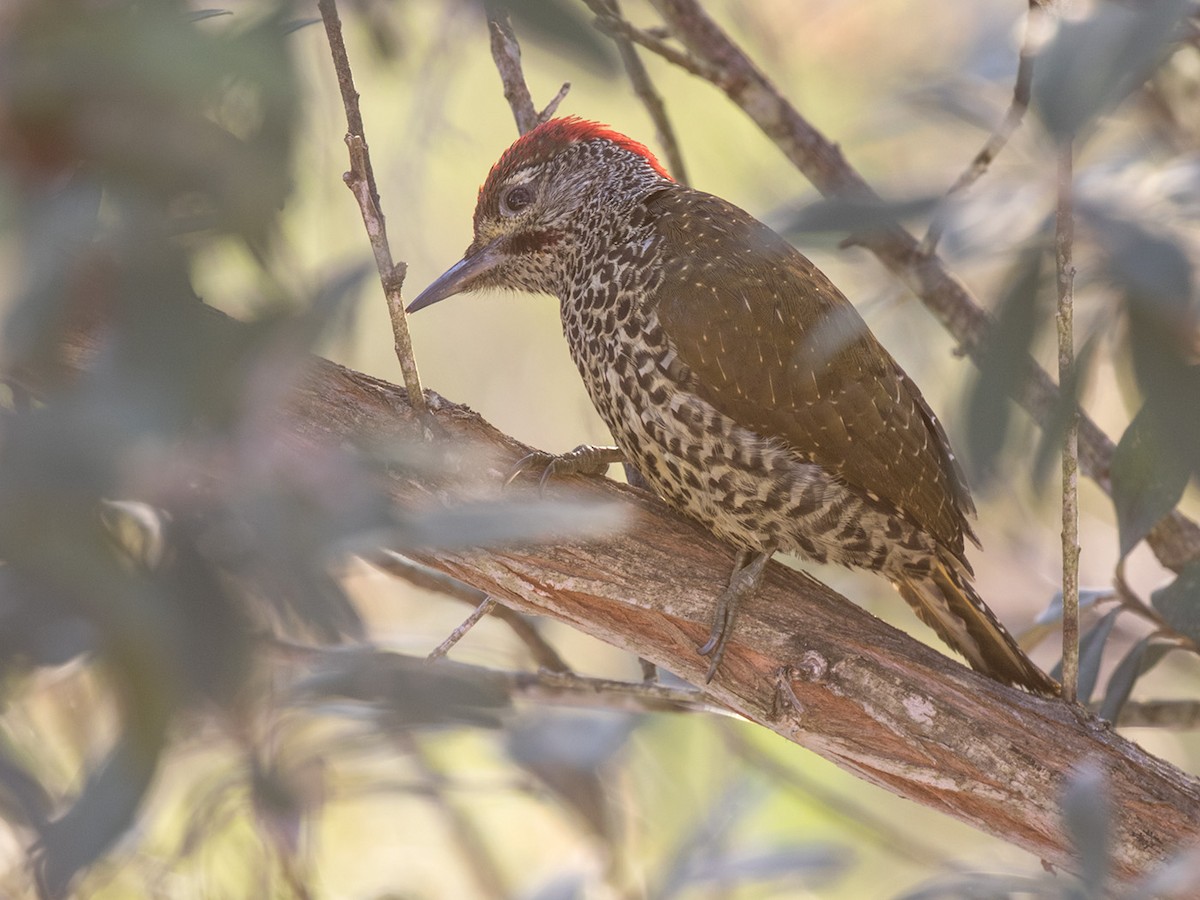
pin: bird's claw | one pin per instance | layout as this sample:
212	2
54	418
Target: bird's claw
583	460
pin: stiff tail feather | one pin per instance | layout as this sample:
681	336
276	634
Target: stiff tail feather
946	602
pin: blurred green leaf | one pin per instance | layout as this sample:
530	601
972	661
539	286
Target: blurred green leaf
1087	815
200	15
567	886
980	886
1049	450
855	217
1155	275
23	799
1152	267
572	755
1091	65
106	806
167	114
808	864
407	692
1091	654
989	404
60	225
1088	597
1179	602
1140	659
1148	480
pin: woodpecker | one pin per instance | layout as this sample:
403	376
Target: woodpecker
735	378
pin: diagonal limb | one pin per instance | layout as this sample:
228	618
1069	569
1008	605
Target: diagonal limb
743	582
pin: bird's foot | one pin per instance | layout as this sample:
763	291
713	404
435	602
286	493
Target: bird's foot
743	582
583	460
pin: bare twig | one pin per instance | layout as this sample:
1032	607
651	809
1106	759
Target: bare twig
618	27
1064	235
639	78
1176	539
544	655
1012	120
458	633
361	181
803	661
506	51
552	107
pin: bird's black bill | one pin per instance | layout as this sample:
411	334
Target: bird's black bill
458	278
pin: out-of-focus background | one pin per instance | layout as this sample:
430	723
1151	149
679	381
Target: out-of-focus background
272	797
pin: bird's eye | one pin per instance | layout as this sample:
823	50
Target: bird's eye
515	199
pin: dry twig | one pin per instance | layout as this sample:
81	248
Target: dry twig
460	632
361	181
1064	233
544	655
507	54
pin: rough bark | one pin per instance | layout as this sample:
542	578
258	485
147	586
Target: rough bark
804	661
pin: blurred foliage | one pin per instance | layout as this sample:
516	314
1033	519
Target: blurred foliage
192	693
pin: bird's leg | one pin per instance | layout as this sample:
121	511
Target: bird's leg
583	460
743	582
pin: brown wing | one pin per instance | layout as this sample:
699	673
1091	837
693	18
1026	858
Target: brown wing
774	345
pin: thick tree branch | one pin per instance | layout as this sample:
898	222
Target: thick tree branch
803	661
714	56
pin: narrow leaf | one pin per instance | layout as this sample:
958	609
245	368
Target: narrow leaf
1092	65
1179	601
1088	819
1091	652
855	216
1140	659
1147	480
989	407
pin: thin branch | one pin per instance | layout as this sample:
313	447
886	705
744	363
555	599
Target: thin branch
361	181
552	107
618	27
544	655
506	52
644	88
999	138
1064	235
460	632
1176	539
